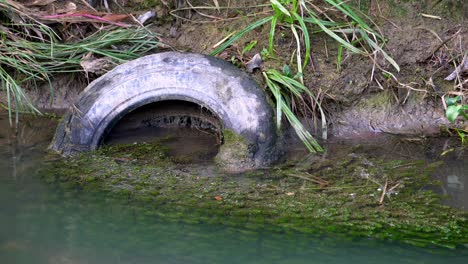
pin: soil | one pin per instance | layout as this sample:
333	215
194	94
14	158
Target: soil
356	104
421	45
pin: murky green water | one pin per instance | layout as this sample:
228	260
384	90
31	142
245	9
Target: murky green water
44	223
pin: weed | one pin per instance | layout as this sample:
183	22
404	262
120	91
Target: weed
281	85
455	109
299	16
32	51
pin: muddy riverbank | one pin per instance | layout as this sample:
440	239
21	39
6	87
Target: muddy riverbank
422	36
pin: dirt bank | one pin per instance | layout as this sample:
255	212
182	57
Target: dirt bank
423	37
356	103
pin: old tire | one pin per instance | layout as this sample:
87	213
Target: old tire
215	84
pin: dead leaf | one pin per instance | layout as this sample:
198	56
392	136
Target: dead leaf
97	66
216	4
70	7
289	193
82	16
115	17
254	63
462	68
146	16
218	198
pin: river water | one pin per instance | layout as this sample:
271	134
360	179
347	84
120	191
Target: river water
43	223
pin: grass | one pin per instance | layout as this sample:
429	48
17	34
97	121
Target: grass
300	17
32	52
281	86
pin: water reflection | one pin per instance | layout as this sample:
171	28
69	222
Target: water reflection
454	179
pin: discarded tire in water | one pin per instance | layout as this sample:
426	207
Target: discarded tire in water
247	118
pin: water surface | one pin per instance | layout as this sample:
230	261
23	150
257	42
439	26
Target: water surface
45	223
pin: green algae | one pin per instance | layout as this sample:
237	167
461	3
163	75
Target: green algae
235	154
377	101
340	196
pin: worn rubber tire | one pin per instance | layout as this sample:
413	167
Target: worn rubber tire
207	81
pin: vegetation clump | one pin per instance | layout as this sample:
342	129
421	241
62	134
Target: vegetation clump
456	109
300	16
34	47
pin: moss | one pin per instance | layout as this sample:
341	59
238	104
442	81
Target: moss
337	197
230	137
235	154
376	101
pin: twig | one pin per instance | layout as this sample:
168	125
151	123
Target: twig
391	22
203	14
393	188
88	5
405	165
444	43
431	16
313	179
458	69
85	16
404	85
384	191
224	39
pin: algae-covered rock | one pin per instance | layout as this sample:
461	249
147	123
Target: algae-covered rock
236	154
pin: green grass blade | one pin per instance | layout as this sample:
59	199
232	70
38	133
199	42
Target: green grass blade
272	34
298	53
275	90
249	47
280	7
309	141
305	31
239	34
296	88
334	36
326	23
378	48
339	58
346	9
35	58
